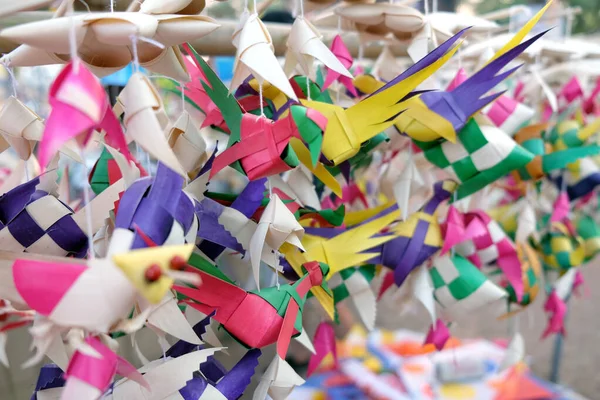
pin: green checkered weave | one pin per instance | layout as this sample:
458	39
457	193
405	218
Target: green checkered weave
480	156
460	287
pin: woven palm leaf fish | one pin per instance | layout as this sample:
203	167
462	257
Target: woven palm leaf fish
258	146
569	134
480	156
439	115
560	249
347	129
460	288
255	319
589	231
156	207
581	176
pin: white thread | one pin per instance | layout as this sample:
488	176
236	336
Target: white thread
73	38
151	41
136	60
88	206
85	5
134	39
435	6
182	98
260	99
254	9
112	5
246	5
426	6
453	250
12	78
301	8
307	87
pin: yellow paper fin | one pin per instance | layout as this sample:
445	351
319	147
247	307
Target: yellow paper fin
319	170
356	217
384	105
519	36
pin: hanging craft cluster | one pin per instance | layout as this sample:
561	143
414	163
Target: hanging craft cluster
360	181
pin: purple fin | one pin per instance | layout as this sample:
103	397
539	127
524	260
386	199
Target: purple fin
425	62
235	382
485	79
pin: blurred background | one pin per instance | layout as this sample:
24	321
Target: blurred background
580	357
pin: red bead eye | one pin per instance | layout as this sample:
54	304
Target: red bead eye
178	263
153	273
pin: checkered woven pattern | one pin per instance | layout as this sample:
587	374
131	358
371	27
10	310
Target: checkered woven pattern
350	281
34	221
582	177
355	283
565	135
561	250
460	288
508	114
159	208
486	249
589	231
480	156
531	288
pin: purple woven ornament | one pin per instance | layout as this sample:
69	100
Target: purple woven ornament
158	207
34	220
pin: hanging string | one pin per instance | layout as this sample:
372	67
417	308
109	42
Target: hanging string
85	5
254	9
182	98
73	37
453	250
246	5
435	6
112	6
426	6
88	210
136	60
11	77
260	98
307	87
134	44
301	8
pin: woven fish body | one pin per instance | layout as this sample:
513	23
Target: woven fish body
36	221
460	288
560	249
480	156
158	208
